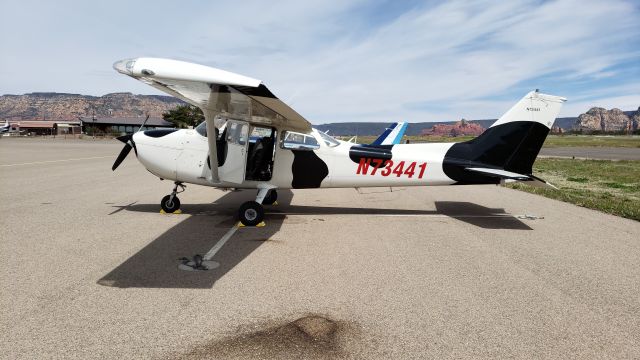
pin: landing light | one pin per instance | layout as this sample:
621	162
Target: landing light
124	66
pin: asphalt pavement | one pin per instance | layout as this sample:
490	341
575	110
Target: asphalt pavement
596	153
88	269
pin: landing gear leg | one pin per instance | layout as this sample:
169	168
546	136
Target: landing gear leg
271	197
251	213
171	203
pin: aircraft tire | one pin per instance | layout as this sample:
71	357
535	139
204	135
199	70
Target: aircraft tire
271	197
168	207
251	213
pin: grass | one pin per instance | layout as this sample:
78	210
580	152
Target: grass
551	141
609	186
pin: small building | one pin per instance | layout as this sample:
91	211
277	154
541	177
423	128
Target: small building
43	127
118	126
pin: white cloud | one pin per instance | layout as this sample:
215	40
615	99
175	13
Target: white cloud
331	62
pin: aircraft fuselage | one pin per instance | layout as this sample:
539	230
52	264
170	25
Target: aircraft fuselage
182	156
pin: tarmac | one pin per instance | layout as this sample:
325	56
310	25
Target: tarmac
88	269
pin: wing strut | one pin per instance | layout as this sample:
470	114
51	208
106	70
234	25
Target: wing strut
213	152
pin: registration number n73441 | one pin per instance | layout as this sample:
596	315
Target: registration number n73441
372	166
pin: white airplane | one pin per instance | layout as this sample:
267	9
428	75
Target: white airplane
5	128
290	154
392	135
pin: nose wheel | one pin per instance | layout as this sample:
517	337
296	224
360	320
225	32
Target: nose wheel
171	203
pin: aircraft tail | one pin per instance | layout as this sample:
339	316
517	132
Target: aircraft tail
392	135
511	144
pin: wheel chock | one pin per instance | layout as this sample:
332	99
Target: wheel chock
241	225
275	203
177	212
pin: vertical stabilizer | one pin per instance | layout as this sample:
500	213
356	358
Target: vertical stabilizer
512	143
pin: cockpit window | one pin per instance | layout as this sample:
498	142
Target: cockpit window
297	141
330	141
202	128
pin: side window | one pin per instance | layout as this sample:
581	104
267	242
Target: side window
237	133
232	127
243	134
297	141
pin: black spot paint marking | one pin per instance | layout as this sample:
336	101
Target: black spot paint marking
512	146
308	170
382	152
159	132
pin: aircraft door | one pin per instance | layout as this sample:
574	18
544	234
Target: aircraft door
235	164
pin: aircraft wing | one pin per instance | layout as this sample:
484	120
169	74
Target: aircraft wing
215	91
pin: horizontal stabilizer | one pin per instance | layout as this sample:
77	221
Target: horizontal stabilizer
503	174
508	175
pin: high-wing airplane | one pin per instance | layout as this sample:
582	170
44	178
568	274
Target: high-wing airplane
5	128
392	135
290	154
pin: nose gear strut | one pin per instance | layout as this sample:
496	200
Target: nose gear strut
170	203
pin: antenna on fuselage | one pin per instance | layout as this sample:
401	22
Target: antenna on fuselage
143	123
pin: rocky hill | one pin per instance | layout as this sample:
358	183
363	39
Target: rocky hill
603	120
61	106
460	128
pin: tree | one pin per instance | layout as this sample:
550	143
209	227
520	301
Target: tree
184	116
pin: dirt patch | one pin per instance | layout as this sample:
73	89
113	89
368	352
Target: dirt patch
311	336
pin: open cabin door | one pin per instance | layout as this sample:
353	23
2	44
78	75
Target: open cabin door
235	163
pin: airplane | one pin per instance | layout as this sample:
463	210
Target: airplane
290	154
392	135
5	128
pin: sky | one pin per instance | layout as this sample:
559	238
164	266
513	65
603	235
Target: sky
340	61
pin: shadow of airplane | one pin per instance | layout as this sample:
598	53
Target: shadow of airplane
155	265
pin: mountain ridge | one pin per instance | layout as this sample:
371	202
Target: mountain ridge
69	106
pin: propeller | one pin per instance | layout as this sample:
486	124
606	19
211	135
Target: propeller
128	145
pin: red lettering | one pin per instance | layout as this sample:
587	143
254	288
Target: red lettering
378	163
398	169
422	167
410	169
387	169
363	167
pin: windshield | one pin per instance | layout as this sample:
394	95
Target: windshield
328	139
202	128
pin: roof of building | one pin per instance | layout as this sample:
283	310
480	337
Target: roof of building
41	124
153	121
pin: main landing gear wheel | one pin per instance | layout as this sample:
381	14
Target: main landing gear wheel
271	197
251	213
170	205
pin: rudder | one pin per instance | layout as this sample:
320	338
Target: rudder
512	143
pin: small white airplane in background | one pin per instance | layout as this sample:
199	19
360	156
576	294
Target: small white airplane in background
392	135
5	128
289	154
